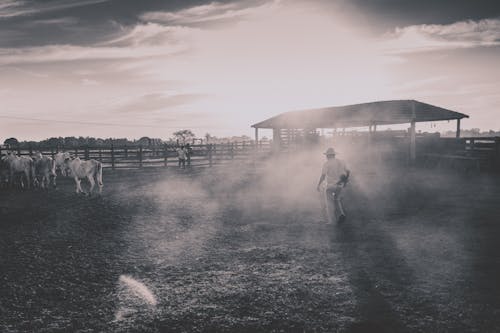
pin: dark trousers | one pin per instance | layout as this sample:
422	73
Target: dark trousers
182	163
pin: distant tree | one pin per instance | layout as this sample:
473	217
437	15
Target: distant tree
144	141
121	141
82	141
184	135
91	141
475	132
156	141
29	144
11	142
70	141
53	142
207	137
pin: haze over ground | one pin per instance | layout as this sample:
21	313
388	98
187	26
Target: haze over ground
109	68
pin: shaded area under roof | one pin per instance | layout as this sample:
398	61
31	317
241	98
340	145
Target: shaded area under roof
357	115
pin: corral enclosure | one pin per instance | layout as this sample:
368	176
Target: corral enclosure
474	153
137	156
243	247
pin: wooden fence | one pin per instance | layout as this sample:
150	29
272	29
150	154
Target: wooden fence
131	157
481	153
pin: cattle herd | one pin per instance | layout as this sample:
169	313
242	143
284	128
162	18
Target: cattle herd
40	171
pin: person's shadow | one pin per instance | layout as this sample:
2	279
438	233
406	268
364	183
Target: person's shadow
377	270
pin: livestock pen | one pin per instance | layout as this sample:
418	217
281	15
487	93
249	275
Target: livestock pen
137	156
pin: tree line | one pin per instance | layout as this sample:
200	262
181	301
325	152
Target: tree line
473	133
180	137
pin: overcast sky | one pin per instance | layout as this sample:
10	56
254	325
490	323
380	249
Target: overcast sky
127	68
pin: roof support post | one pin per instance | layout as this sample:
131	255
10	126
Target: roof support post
256	138
458	128
413	142
413	138
276	139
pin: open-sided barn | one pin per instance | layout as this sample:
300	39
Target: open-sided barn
288	125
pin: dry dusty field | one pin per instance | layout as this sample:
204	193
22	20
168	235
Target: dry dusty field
243	248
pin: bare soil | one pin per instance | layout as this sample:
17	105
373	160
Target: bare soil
226	251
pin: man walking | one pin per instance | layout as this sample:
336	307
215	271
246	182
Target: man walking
189	153
336	175
181	155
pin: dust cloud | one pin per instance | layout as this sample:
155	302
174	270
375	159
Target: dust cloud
390	205
184	210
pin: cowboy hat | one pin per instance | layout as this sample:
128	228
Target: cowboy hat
330	151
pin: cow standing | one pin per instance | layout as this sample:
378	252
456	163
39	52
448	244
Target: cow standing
45	172
59	161
92	170
20	166
4	171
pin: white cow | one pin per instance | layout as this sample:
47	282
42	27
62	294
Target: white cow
59	159
20	165
4	171
45	171
92	170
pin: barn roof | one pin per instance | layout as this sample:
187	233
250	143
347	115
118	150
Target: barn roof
357	115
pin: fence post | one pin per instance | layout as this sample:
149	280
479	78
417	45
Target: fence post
30	150
126	151
165	157
140	156
210	162
87	155
100	155
497	154
76	152
18	151
112	157
231	151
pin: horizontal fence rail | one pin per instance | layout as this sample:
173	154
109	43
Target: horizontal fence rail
130	157
481	153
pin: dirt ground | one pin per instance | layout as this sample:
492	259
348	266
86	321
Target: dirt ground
240	248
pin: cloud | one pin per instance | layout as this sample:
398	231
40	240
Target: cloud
212	12
150	34
158	102
432	37
90	82
10	8
15	8
411	86
139	42
61	53
61	21
7	70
